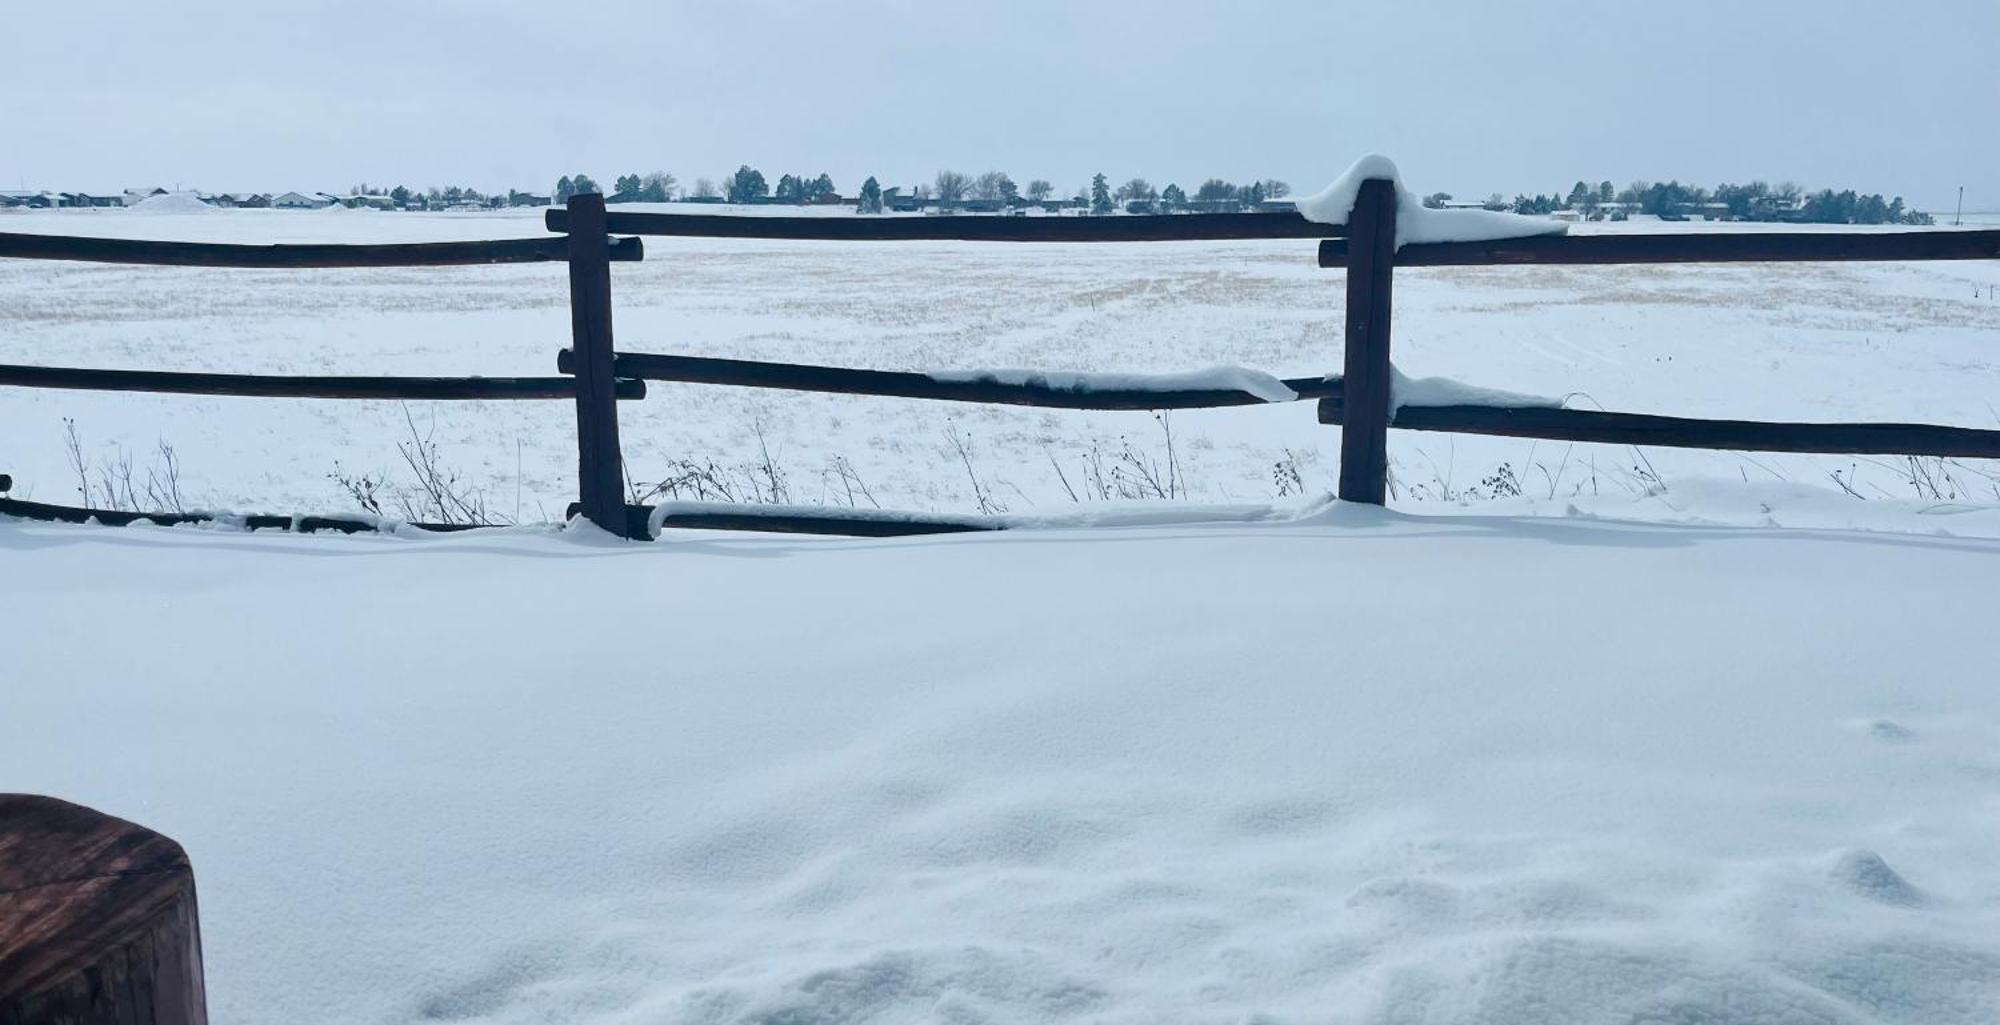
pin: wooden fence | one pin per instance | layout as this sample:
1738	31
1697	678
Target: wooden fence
597	375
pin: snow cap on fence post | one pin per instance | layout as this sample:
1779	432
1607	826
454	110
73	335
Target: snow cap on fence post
1414	221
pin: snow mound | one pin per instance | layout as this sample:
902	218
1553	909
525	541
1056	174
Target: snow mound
1865	873
1414	221
1255	382
1443	391
173	203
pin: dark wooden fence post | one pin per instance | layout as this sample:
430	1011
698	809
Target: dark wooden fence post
600	470
98	924
1371	259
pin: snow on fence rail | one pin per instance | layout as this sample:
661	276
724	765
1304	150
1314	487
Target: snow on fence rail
1362	399
1052	390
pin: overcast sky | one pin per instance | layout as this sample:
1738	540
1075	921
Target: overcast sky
1468	96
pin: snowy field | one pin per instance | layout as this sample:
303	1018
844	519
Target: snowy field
1911	342
1673	738
1366	767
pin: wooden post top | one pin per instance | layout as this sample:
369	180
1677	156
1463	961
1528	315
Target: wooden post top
79	888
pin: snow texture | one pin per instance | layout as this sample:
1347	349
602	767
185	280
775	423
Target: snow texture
1535	772
1254	382
1414	221
1405	390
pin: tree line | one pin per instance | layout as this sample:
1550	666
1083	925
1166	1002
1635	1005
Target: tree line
1671	200
1755	201
947	189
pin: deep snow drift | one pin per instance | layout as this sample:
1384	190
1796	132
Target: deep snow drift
1355	768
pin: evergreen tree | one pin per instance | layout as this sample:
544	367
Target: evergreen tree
819	187
1100	194
564	189
400	194
584	186
788	190
747	185
1605	193
871	196
626	184
1172	198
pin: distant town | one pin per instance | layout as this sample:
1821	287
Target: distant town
997	193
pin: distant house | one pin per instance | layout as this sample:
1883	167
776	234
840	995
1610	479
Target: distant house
85	199
370	202
1055	206
981	206
1277	206
296	201
1140	206
830	199
30	200
1214	206
134	197
528	199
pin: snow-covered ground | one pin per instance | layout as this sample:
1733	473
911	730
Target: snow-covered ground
1909	342
1669	737
1364	767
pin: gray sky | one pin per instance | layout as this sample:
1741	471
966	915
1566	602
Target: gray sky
1467	96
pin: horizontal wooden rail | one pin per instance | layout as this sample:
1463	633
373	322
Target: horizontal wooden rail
1682	432
903	384
1692	247
260	521
268	386
966	228
836	522
217	254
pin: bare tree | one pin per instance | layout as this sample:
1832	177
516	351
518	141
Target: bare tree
950	187
658	186
704	188
1137	188
1039	190
994	185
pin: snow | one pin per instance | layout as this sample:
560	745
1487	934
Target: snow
1346	766
1257	383
1653	735
173	203
1405	390
1414	221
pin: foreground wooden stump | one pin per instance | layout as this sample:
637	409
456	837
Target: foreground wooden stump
97	920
